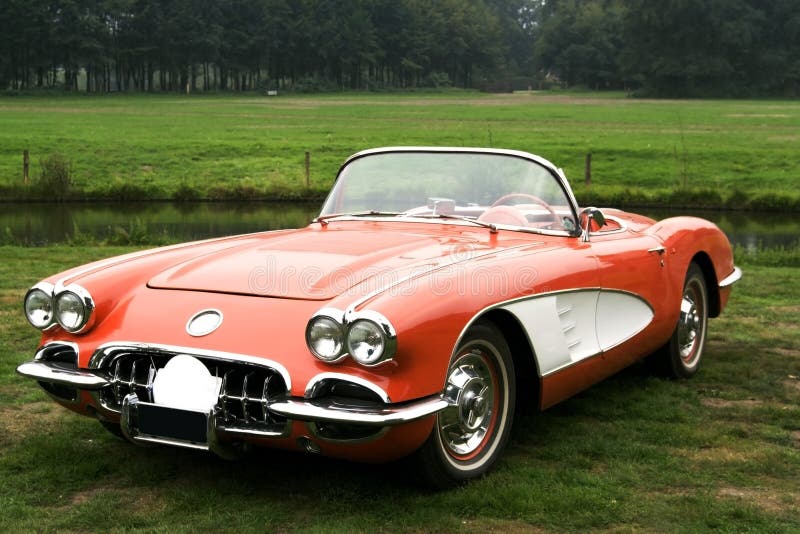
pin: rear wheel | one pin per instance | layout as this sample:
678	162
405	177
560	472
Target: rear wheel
680	357
471	433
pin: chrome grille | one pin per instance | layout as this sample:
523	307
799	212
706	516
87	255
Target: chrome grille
244	395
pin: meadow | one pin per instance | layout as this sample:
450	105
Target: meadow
734	154
635	453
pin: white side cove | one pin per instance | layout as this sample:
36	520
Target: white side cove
570	326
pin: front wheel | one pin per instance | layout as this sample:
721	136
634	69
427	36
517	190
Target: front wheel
472	432
680	356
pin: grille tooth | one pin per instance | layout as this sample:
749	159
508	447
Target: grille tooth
245	415
223	396
244	395
265	398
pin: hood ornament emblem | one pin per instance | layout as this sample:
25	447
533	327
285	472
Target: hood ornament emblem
204	322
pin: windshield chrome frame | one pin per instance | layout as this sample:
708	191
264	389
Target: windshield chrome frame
556	172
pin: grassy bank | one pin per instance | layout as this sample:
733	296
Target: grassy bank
635	453
731	154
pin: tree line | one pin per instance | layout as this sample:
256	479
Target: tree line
667	48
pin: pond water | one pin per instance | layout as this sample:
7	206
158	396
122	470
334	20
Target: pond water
40	224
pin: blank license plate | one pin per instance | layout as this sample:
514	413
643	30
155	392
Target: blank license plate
172	423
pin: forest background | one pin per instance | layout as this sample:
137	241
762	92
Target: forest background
671	48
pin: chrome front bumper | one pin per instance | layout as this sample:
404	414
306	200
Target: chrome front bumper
294	408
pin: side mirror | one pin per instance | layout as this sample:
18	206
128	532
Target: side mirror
592	219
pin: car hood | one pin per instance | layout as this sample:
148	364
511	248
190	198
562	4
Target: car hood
319	263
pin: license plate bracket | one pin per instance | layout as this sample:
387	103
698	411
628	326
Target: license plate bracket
173	424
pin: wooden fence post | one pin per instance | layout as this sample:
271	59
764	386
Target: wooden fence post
587	175
26	164
308	169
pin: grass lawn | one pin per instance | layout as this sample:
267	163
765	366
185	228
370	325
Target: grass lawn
634	453
149	146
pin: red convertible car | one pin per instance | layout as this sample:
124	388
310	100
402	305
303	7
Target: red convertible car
438	290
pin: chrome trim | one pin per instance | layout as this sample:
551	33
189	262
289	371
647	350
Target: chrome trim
207	331
731	279
51	344
48	289
316	382
347	318
337	316
386	328
44	371
623	226
320	410
88	308
104	352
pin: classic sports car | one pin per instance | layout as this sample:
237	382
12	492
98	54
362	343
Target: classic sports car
438	290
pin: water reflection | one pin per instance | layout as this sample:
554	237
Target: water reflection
39	224
55	223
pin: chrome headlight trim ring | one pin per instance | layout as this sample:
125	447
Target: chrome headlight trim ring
47	289
87	303
335	317
387	331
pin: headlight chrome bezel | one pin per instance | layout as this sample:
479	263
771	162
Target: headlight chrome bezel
46	289
328	315
82	297
346	321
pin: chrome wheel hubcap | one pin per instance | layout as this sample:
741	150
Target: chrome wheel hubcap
691	324
470	392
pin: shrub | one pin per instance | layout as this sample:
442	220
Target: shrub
55	179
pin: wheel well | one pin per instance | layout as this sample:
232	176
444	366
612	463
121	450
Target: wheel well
712	285
525	369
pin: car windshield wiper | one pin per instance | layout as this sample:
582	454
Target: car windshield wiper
492	227
323	219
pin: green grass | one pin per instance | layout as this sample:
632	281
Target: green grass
634	453
737	154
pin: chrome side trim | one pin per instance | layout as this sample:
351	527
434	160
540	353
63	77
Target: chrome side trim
104	352
316	382
321	410
731	279
51	372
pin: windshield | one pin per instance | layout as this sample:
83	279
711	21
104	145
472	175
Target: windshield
499	189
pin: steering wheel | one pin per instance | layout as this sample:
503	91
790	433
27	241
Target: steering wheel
536	200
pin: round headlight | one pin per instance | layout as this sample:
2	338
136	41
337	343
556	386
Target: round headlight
39	308
324	338
71	312
366	342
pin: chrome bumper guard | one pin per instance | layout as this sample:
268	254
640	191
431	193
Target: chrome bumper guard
731	279
313	410
54	373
